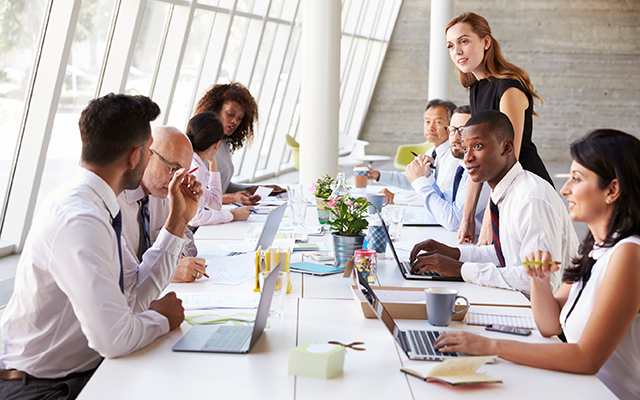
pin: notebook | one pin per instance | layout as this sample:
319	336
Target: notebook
231	338
417	344
268	233
405	266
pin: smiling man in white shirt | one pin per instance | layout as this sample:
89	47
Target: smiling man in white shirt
79	295
527	215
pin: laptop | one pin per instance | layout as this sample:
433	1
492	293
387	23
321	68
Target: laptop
417	344
405	266
231	338
268	233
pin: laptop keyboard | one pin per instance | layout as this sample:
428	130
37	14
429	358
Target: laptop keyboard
423	343
407	267
228	337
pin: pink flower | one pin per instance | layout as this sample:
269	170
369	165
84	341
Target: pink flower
313	187
331	203
348	202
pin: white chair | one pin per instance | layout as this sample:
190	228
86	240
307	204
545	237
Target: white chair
356	154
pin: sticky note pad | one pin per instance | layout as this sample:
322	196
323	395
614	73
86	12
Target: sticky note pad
316	360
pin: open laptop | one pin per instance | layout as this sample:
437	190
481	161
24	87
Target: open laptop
417	344
231	338
268	233
405	266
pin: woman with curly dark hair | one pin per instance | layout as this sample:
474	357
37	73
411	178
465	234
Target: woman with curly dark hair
237	109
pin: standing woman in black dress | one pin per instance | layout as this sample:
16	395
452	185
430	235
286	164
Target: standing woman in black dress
494	84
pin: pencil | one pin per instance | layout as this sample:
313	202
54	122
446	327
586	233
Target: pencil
193	170
540	263
415	155
240	205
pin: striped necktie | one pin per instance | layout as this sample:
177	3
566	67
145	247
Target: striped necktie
456	181
495	225
143	222
117	227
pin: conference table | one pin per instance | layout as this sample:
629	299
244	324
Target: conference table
321	309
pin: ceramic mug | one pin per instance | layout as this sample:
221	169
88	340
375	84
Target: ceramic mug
440	305
378	200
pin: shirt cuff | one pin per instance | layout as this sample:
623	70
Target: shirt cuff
170	243
161	320
466	253
467	271
421	182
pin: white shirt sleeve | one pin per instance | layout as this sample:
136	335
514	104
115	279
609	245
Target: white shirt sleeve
145	282
439	204
394	178
88	275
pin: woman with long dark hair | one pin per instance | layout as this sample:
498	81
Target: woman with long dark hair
205	132
494	84
598	306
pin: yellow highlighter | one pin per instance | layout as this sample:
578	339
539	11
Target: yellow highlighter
258	261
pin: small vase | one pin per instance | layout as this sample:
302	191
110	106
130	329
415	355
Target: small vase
323	215
344	247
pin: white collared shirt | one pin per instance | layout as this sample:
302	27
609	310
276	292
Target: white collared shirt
158	214
209	208
446	209
67	309
532	217
446	165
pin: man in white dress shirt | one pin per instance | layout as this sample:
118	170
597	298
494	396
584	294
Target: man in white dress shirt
79	295
146	208
527	215
437	115
446	206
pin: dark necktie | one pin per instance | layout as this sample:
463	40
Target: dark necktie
456	181
117	227
143	223
495	225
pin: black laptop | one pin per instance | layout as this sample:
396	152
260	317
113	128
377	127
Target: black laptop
405	266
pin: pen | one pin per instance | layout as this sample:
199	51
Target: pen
415	155
540	263
204	274
240	205
193	170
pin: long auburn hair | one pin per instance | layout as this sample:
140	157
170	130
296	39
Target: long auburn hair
233	91
493	63
610	154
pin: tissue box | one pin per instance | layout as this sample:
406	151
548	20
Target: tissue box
316	360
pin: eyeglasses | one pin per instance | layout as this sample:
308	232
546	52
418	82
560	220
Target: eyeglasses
452	130
172	169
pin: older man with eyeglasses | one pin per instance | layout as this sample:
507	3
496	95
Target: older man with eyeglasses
447	206
145	209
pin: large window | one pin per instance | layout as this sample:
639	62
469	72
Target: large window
79	87
20	26
172	51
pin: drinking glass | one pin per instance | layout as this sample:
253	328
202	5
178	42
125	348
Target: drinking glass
277	303
395	214
297	203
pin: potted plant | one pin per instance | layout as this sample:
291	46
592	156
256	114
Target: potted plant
322	191
347	225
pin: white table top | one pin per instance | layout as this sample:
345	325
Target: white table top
321	309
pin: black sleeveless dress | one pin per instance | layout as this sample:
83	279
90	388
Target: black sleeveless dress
485	95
